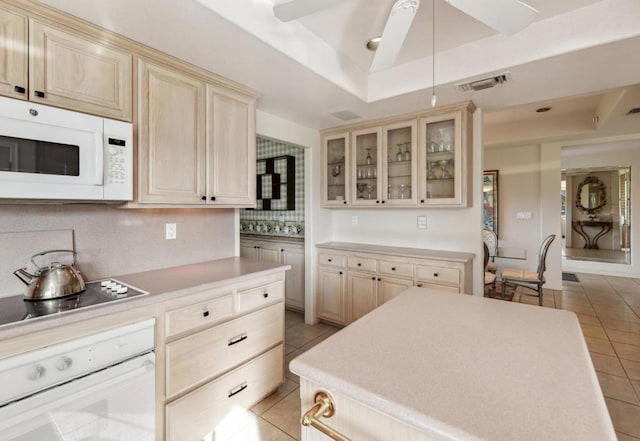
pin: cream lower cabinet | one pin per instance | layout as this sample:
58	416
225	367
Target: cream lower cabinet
224	350
354	279
196	141
286	253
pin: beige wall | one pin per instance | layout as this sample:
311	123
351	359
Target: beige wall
112	241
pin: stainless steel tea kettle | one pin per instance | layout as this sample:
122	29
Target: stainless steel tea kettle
56	280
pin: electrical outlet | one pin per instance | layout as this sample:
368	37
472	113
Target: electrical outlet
422	222
170	231
354	220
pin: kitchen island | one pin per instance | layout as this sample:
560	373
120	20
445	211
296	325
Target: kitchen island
431	365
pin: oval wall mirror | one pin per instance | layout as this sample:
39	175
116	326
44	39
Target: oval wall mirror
592	196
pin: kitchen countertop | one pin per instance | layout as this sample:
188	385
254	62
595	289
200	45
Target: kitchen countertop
467	368
420	253
161	284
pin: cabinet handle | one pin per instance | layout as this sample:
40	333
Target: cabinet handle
359	264
204	198
329	260
205	314
19	89
265	295
345	202
282	250
213	198
237	390
373	278
379	279
237	340
384	202
324	407
340	273
419	285
422	201
435	274
377	202
39	94
393	268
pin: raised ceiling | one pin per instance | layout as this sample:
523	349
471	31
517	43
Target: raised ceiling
307	69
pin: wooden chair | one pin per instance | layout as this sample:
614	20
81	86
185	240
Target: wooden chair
529	279
491	241
489	277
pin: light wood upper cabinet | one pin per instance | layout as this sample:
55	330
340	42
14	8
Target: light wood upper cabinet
69	71
13	55
231	147
415	160
171	131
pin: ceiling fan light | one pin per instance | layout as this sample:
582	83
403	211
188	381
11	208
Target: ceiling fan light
433	100
372	43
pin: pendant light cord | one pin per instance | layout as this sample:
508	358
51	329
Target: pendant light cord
433	53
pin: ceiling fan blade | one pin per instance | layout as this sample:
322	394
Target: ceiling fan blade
505	16
395	31
299	8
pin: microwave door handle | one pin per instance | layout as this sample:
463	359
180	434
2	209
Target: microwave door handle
98	178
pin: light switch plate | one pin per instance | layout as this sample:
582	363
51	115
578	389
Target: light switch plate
422	222
354	220
524	215
170	231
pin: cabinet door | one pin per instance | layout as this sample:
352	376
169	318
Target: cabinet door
442	161
171	133
389	287
70	71
335	171
269	252
400	154
248	249
294	281
231	148
366	166
13	55
332	302
362	291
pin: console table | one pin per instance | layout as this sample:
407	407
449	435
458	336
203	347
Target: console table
591	243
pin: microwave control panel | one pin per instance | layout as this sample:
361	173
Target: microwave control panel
116	161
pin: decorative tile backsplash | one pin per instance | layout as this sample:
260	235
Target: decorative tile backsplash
281	222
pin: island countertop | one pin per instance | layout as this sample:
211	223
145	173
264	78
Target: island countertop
467	368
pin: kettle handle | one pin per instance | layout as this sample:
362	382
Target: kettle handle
54	251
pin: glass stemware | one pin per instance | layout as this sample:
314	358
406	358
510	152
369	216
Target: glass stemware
407	151
432	167
401	191
399	154
361	186
335	172
368	158
443	163
369	191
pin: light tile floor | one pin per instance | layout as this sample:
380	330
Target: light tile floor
608	309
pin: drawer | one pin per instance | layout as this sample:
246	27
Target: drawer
363	263
438	274
399	269
259	297
194	316
208	353
328	259
192	417
449	288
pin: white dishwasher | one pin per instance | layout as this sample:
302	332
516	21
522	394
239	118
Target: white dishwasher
95	388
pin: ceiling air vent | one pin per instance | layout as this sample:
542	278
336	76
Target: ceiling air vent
485	83
345	115
634	110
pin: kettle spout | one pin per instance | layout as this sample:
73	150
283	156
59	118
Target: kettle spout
23	275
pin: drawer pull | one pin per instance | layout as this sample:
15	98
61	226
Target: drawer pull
393	268
359	264
237	340
39	94
237	390
435	274
265	295
19	89
329	260
340	273
419	285
205	313
323	407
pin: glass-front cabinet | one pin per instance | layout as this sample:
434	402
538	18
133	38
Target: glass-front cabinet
417	160
442	164
336	170
400	166
366	167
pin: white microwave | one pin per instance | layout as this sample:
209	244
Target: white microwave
55	154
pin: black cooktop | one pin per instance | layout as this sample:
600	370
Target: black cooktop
15	309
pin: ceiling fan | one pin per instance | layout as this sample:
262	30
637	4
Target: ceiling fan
504	16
